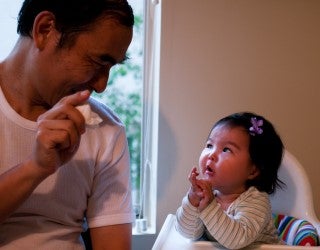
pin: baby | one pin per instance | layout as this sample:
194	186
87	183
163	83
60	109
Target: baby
239	168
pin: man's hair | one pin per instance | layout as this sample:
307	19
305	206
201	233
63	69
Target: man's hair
73	16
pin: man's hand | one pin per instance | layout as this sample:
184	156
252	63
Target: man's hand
59	133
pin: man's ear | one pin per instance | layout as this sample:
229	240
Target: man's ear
254	173
43	28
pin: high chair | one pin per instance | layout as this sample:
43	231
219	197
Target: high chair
293	211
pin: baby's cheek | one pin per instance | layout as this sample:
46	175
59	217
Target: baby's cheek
202	164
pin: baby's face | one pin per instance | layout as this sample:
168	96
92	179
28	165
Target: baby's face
225	161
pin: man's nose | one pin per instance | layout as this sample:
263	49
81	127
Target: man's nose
99	84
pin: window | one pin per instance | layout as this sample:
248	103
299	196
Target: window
146	219
132	93
124	95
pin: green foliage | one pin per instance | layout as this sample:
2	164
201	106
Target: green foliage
127	104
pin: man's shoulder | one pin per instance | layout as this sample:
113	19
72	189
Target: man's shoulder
106	113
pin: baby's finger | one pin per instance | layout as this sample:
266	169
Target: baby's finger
193	174
204	184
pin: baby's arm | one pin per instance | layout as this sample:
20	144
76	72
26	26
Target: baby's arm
188	222
244	223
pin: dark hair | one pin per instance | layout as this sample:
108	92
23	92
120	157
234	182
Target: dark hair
265	149
73	16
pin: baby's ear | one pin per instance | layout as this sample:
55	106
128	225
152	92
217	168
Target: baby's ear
254	173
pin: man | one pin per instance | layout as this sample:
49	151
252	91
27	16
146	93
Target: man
55	172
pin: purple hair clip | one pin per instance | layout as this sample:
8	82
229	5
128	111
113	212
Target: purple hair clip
255	128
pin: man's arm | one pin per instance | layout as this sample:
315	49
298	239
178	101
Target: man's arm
57	139
16	185
112	237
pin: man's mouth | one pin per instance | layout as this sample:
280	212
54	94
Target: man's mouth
80	88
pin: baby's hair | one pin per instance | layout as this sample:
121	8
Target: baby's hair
265	148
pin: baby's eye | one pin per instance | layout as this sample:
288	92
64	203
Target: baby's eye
209	145
226	149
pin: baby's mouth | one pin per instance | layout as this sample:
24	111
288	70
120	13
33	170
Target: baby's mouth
209	170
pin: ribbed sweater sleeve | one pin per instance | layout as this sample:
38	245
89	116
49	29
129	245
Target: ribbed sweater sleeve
189	223
243	223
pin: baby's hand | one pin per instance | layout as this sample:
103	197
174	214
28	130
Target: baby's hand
193	176
207	194
195	192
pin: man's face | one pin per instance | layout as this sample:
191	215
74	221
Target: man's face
84	65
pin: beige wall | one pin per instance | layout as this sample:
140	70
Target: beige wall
223	56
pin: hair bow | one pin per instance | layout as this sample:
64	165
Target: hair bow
255	128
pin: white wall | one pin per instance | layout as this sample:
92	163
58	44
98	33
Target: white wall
219	57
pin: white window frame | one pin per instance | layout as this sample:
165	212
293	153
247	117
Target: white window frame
146	223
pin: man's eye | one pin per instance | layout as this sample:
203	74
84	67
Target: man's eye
103	64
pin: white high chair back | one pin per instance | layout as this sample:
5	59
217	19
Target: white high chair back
295	199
